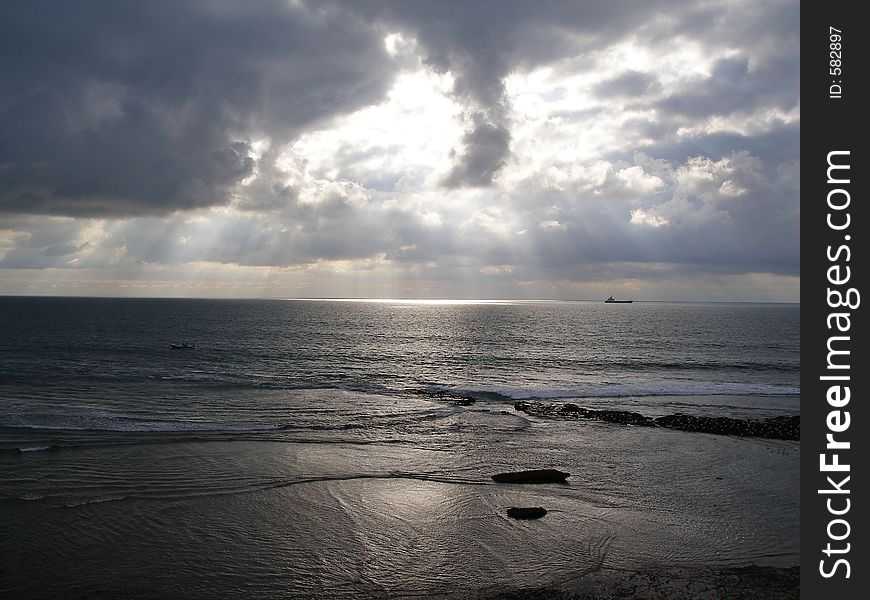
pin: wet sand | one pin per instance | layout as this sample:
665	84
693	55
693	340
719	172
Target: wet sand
646	513
702	583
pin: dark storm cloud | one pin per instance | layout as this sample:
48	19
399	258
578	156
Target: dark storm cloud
779	145
486	150
145	108
732	88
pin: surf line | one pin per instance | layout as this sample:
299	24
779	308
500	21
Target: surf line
838	501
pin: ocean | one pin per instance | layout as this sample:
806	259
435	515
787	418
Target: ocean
317	448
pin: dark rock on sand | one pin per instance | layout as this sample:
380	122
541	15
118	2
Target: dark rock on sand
532	512
532	476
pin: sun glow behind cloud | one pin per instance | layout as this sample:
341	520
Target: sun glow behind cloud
409	135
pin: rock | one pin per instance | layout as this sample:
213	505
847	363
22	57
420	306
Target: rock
460	399
570	410
623	417
532	476
781	428
532	512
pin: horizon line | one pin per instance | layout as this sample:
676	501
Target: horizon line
439	300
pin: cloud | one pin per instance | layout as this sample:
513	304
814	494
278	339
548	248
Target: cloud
640	216
630	84
411	145
147	108
486	150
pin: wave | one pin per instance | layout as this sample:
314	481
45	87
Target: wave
34	449
128	424
623	390
96	500
269	382
68	502
696	364
124	424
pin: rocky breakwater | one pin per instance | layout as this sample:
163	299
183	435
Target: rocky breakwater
786	427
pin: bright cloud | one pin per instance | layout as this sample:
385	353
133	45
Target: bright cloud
639	216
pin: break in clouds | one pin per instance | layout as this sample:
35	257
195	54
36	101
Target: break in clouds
421	149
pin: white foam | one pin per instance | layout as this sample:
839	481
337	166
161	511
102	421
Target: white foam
34	448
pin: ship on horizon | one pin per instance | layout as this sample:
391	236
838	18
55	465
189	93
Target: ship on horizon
610	300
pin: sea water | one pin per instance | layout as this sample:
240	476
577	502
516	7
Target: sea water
318	448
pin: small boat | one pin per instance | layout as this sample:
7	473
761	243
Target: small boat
610	300
183	346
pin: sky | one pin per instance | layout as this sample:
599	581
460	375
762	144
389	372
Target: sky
408	149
